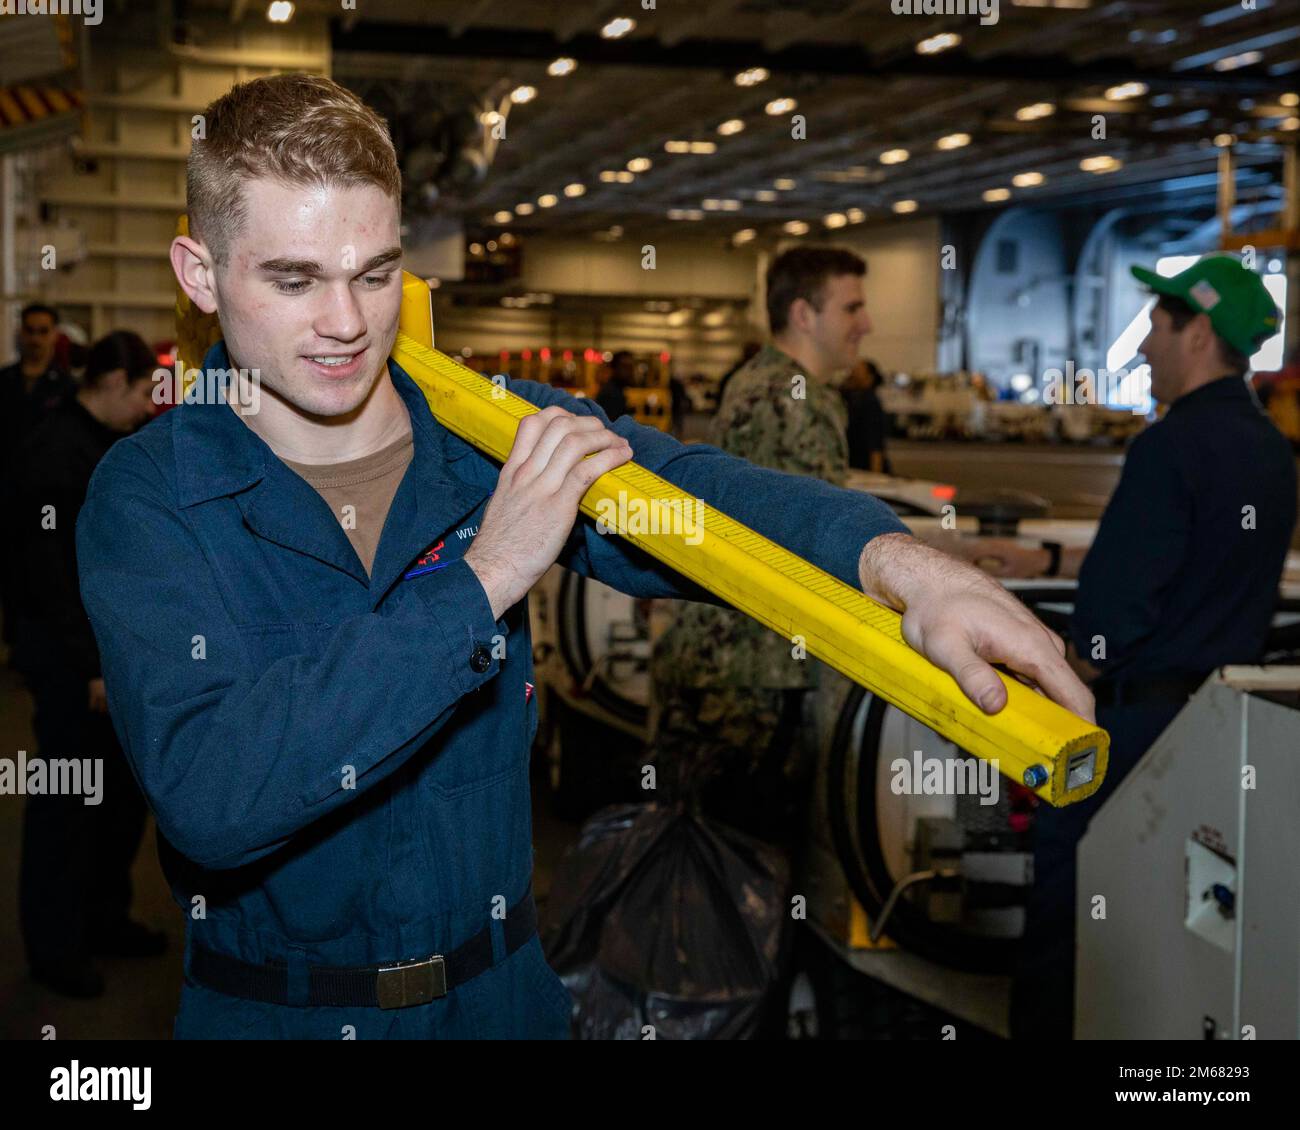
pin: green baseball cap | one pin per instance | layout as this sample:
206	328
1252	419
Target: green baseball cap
1239	307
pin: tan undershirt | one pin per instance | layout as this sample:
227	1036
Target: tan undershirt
367	485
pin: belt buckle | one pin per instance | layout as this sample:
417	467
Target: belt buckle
412	982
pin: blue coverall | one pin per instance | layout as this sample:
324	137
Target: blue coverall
253	669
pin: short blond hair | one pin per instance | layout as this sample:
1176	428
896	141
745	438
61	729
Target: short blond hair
295	128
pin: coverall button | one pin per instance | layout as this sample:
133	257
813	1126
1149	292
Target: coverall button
480	660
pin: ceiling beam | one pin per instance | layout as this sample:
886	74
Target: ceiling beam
819	59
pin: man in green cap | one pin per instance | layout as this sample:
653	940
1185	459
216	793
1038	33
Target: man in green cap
1181	578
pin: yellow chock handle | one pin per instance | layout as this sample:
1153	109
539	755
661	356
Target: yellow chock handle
1032	739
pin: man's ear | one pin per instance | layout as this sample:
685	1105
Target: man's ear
801	315
192	265
1204	332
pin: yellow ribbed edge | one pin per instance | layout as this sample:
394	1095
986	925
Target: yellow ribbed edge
839	625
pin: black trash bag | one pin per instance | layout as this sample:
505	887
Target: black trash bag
660	917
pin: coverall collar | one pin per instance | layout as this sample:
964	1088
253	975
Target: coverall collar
218	455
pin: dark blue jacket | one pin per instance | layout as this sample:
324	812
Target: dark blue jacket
1183	574
253	671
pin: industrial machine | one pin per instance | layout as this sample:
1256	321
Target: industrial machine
1189	896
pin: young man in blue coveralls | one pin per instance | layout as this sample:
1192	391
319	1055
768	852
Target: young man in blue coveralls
313	624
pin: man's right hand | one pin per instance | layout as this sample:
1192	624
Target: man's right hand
536	500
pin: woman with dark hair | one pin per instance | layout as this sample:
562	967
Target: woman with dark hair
74	886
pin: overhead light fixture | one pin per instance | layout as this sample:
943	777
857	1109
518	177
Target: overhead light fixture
704	146
549	200
638	164
491	244
835	220
765	195
685	214
624	177
1290	99
574	189
503	217
730	126
715	205
994	195
752	77
855	215
1223	140
617	28
507	239
1289	123
280	12
904	206
522	94
609	176
1027	180
894	156
1126	90
677	146
489	117
1102	164
744	235
953	141
795	227
1034	111
785	184
561	67
780	106
476	249
524	209
1233	62
936	43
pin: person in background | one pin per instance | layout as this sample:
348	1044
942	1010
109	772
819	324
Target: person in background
867	424
747	354
681	402
74	875
728	696
1281	397
30	388
1181	578
35	384
622	375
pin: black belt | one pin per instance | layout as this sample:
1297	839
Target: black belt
394	985
1166	688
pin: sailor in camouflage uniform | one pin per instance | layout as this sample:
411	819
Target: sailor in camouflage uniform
727	692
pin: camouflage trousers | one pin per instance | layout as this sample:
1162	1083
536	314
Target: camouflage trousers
736	754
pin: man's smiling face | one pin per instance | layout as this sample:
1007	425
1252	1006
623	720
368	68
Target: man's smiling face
311	291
